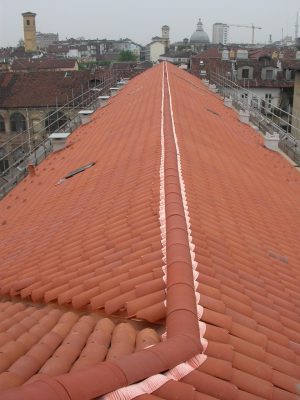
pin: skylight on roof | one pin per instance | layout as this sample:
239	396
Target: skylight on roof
76	171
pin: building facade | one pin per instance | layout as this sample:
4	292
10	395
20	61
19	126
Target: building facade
220	33
154	50
94	50
44	40
263	78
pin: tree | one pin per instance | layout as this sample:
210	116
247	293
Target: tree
21	43
127	55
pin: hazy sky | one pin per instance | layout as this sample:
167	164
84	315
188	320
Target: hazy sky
141	19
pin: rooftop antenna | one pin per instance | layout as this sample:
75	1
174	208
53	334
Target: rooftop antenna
297	26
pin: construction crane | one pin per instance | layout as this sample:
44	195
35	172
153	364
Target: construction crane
248	26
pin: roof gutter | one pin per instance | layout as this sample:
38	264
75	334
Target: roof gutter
183	336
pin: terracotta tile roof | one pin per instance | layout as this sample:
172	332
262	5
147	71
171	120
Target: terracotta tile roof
178	184
212	52
268	52
37	340
58	48
41	89
42	64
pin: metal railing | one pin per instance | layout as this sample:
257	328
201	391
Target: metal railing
33	145
265	115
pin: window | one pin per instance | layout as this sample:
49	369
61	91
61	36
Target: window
268	97
245	73
269	74
28	22
2	124
95	82
245	96
18	154
3	162
55	121
17	122
290	75
254	102
78	170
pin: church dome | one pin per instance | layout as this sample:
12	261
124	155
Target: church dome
199	36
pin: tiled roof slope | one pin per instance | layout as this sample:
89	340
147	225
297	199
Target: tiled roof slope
95	239
245	211
244	208
42	64
241	204
37	340
42	88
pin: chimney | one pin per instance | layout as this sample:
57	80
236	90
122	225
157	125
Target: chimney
242	54
59	140
213	88
271	141
103	100
114	91
244	116
225	54
85	116
228	102
120	84
31	170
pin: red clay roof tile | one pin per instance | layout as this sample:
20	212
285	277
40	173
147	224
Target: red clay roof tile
97	242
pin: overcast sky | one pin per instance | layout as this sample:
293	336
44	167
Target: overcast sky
142	19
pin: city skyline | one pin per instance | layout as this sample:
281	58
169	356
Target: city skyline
140	22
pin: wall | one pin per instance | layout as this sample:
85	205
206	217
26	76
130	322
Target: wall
296	107
34	118
260	93
9	141
43	40
156	49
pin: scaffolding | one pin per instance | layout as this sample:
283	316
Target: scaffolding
266	116
33	145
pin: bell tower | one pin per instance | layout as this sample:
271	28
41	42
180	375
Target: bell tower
29	31
165	34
